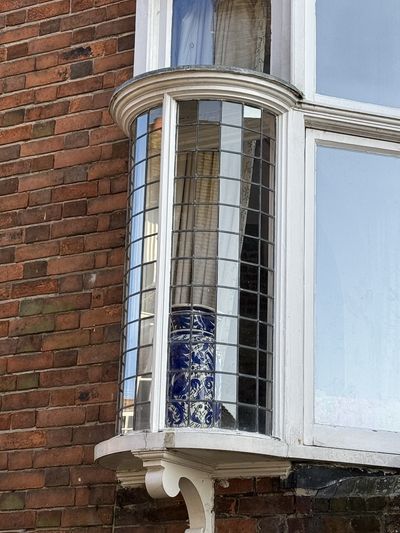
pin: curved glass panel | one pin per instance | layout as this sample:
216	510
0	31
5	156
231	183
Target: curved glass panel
222	275
233	33
140	277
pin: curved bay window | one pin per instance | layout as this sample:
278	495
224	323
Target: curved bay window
221	326
140	280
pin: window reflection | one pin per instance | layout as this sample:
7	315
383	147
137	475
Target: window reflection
219	338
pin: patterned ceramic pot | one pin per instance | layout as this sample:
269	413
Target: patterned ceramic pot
192	365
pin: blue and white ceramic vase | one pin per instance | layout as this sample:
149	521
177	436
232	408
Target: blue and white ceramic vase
191	368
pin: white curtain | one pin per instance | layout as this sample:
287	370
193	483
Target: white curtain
192	33
221	32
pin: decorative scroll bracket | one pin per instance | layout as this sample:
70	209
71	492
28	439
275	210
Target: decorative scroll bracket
167	474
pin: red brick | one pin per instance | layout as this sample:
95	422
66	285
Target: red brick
79	87
13	135
33	288
81	121
70	264
78	226
24	419
22	439
91	475
77	156
87	18
93	434
60	417
36	361
42	146
17	50
113	62
18	520
50	498
99	354
53	42
41	180
71	455
76	191
115	27
11	272
21	480
231	525
45	77
20	460
66	340
13	68
35	324
24	400
105	315
49	10
8	309
47	111
16	17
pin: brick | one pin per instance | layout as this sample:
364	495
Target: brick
47	111
56	476
47	519
81	517
83	34
106	64
49	10
9	186
11	118
42	163
87	18
11	236
22	519
36	215
26	400
18	50
99	354
78	87
74	245
55	304
65	358
70	264
49	26
76	140
11	272
36	361
73	192
43	129
115	27
13	135
58	456
13	201
105	315
80	5
7	383
93	434
71	283
36	251
15	501
41	181
82	121
18	17
20	460
91	475
75	209
264	505
37	233
29	343
50	498
9	152
12	68
14	83
35	269
78	226
33	288
45	77
24	419
28	381
21	480
66	340
111	239
75	174
107	203
7	255
81	69
39	197
106	134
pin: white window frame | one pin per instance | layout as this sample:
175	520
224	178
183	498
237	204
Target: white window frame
154	35
304	73
318	434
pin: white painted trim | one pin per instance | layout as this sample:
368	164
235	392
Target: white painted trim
144	92
160	344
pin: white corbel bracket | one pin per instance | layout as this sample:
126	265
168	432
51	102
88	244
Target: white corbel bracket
168	473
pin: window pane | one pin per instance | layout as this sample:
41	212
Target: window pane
357	292
221	32
358	44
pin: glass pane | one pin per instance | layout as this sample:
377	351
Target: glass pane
208	137
226	329
227	302
231	139
228	273
226	358
357	339
225	387
186	138
139	174
231	165
130	363
228	245
210	110
232	113
358	44
229	218
229	191
207	32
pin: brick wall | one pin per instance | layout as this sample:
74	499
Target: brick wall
63	175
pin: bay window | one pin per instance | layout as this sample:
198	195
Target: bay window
262	283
